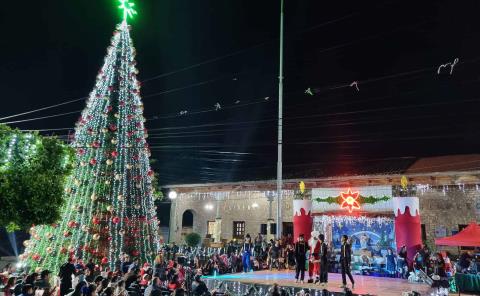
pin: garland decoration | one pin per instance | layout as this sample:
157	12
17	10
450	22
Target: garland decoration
361	199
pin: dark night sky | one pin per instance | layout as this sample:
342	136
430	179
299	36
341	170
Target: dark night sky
51	52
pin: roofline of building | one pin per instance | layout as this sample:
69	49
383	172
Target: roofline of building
433	178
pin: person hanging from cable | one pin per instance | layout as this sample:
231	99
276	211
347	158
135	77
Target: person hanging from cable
246	253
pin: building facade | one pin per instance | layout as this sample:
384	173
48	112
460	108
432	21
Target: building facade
448	193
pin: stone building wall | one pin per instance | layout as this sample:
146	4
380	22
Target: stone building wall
437	209
237	208
449	209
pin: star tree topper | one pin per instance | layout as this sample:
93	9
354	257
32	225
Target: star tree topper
128	10
350	200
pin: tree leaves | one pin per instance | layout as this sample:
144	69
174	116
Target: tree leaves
33	173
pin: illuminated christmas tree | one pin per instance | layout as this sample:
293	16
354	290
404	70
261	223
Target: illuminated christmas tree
109	205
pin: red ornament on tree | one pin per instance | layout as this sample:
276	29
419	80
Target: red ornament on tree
95	220
93	161
112	127
104	260
71	224
135	253
95	144
116	220
36	257
67	233
114	154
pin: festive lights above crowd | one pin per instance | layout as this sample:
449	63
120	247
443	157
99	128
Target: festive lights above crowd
109	198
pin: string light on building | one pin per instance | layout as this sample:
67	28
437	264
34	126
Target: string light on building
172	194
209	207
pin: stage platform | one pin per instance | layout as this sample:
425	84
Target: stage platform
364	285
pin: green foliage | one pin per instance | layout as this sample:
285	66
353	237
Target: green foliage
307	194
329	200
372	200
361	199
193	239
33	171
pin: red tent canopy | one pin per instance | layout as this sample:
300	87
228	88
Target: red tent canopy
468	237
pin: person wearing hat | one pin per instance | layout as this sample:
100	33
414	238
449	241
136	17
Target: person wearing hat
323	261
300	258
314	260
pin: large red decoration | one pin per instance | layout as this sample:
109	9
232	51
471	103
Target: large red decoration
408	230
350	200
302	219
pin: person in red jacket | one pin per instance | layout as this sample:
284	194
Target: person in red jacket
314	260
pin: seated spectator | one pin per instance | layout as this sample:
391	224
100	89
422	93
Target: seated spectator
464	262
9	287
174	284
44	281
27	290
78	289
90	290
199	287
120	289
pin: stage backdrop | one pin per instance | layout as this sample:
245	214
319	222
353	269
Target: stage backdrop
375	235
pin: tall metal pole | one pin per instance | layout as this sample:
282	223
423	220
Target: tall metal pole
280	128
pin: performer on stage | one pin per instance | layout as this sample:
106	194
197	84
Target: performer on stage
314	260
300	258
323	261
345	259
246	253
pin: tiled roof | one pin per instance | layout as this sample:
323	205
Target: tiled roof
448	163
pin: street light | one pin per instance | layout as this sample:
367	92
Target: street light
172	194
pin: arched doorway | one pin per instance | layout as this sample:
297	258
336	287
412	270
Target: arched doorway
188	218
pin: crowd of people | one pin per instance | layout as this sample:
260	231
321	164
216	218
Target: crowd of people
174	270
179	269
77	278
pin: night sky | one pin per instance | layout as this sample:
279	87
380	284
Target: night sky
194	54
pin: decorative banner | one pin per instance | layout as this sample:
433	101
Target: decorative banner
369	234
477	206
371	198
350	200
440	231
374	237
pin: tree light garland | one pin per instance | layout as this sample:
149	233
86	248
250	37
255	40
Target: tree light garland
109	206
